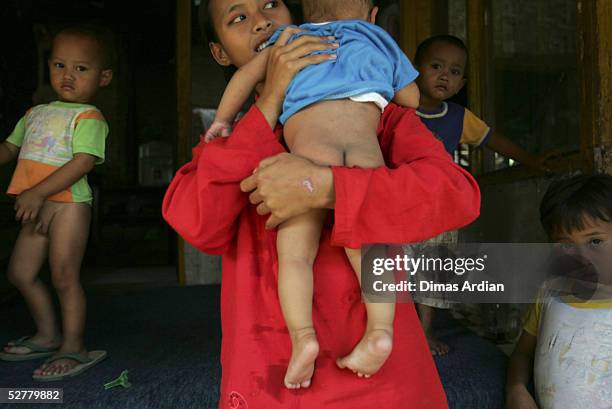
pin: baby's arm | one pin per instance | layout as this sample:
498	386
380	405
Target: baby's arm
519	374
408	96
236	93
30	201
8	152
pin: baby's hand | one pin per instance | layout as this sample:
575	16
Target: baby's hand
218	129
28	205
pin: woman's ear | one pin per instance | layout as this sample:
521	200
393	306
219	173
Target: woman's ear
372	16
219	54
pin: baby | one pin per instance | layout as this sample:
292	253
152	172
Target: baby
330	115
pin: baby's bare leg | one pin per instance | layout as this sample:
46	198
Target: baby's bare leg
297	244
26	260
68	233
343	132
375	346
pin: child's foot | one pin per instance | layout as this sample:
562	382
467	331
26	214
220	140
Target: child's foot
436	346
305	349
18	348
60	366
370	353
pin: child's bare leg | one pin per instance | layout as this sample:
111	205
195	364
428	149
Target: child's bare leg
26	260
426	315
68	233
343	132
297	244
375	346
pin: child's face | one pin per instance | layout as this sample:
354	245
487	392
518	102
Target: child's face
593	243
75	68
442	70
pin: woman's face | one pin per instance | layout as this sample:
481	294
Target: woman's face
242	25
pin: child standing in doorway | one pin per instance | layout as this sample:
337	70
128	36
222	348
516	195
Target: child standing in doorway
442	61
348	93
57	145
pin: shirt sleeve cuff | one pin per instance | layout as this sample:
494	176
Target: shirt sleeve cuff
485	138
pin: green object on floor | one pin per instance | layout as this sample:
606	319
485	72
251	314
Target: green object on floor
122	380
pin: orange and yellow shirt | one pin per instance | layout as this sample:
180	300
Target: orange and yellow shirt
48	137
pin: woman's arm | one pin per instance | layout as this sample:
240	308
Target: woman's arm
418	195
204	198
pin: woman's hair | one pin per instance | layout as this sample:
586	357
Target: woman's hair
325	10
209	34
206	24
568	203
442	38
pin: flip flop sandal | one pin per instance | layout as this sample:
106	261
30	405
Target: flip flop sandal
85	362
36	351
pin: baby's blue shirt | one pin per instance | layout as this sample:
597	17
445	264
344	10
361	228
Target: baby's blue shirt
369	60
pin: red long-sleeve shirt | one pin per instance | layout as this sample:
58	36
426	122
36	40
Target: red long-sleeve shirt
420	194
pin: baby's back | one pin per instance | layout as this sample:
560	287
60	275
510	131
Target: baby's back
368	62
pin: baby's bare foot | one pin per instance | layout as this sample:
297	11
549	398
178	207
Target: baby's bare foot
305	349
370	353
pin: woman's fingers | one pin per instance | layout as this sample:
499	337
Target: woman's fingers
299	64
273	222
305	41
304	46
255	198
270	160
286	34
262	209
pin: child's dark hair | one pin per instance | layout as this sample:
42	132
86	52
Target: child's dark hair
442	38
101	35
569	203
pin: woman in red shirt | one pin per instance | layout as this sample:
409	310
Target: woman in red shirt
417	195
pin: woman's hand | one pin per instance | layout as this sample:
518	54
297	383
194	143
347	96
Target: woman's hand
286	185
286	60
28	205
520	398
